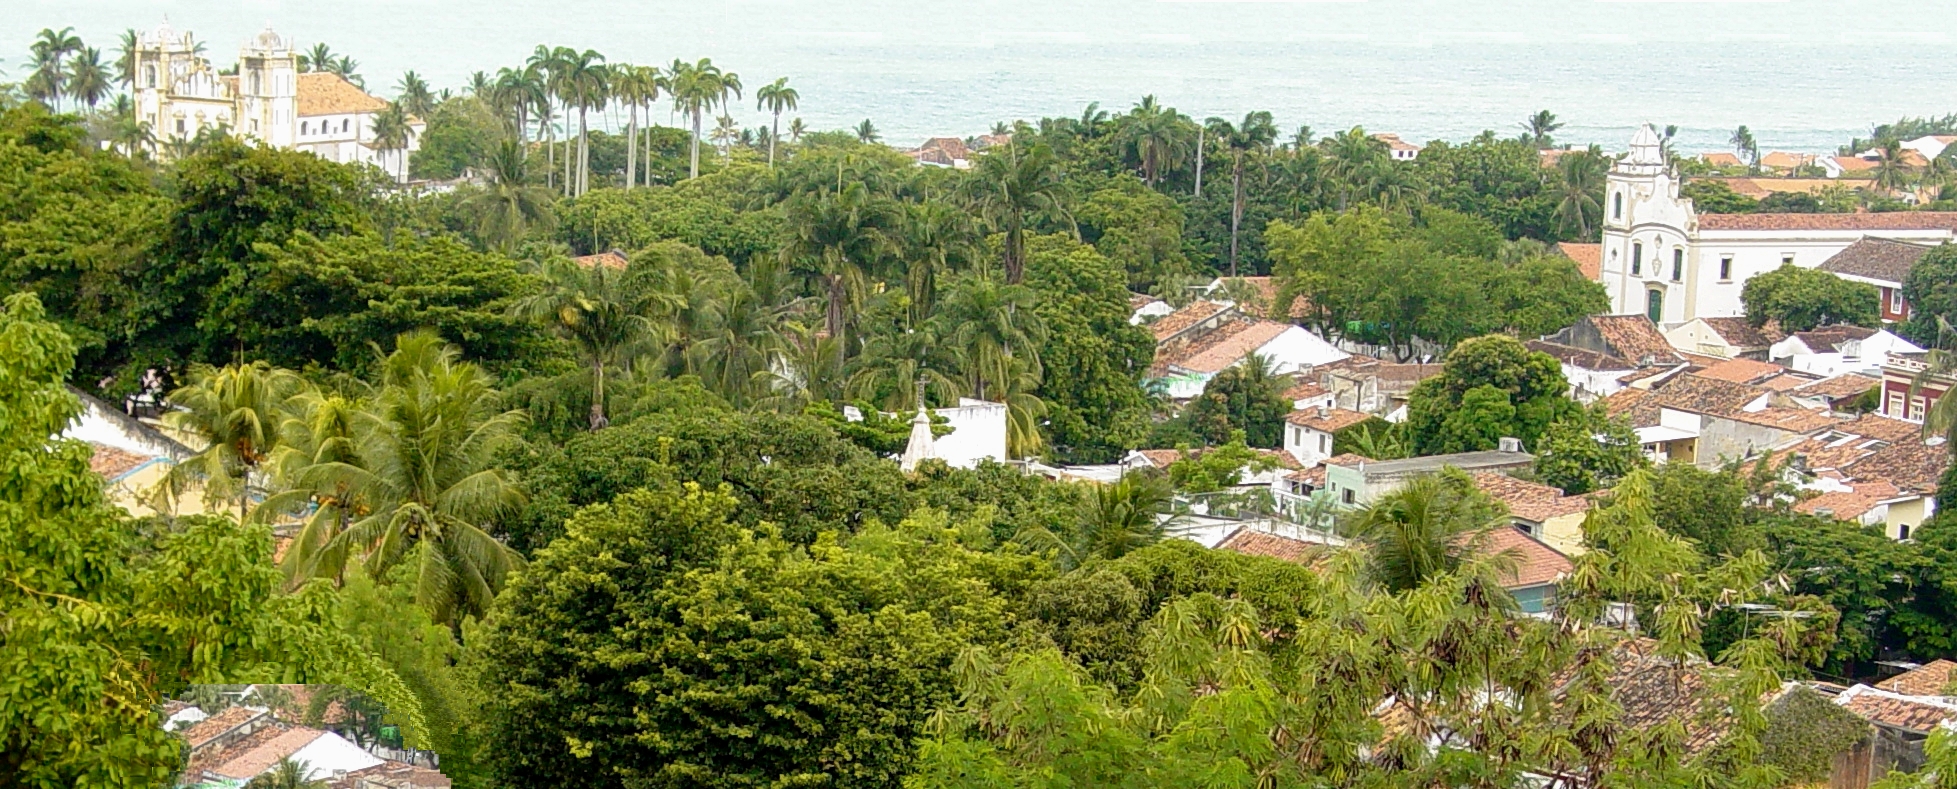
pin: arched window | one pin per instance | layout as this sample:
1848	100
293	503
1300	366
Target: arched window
149	76
1654	304
1617	206
1637	259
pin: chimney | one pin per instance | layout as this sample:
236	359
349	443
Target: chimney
1324	412
1509	444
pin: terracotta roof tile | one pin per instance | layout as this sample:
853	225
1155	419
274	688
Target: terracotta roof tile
396	775
1840	386
268	753
1267	288
211	759
1303	390
611	259
1892	220
1579	357
111	463
1742	371
1738	332
1929	679
1909	465
1177	322
1824	339
1654	691
1853	164
1228	345
1688	392
327	93
1635	406
1786	382
1910	713
1329	420
1633	337
1850	504
1160	458
1876	258
1589	258
1251	542
1529	500
1720	159
1786	161
1794	420
1137	301
208	729
1536	564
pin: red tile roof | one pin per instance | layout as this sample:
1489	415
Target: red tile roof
1849	504
1176	322
1634	337
1332	420
1877	259
1528	500
1844	385
1739	333
1589	258
1742	371
1252	542
111	463
1227	345
327	93
1305	390
611	259
1892	220
1794	420
208	729
268	753
1917	714
1536	564
1929	679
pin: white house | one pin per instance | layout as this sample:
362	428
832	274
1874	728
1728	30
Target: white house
1144	308
1832	350
1309	434
1930	147
1185	368
1664	259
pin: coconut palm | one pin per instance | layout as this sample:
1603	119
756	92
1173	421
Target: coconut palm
1538	128
126	57
1010	190
391	135
319	435
319	58
286	774
508	205
776	97
348	69
88	78
937	238
49	81
1431	525
744	341
234	412
600	311
1892	172
891	364
994	330
796	130
583	84
1255	134
635	87
415	97
1745	146
866	132
1156	136
697	88
833	238
1352	160
427	464
726	132
1111	520
1579	191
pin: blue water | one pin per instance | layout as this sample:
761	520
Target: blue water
1803	74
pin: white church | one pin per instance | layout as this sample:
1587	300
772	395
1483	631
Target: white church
1665	260
178	93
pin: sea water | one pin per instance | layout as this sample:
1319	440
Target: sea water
1805	75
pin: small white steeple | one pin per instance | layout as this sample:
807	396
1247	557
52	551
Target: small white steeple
922	446
1647	155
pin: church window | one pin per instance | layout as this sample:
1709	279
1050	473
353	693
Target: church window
180	126
1617	206
1654	304
1637	259
1678	264
149	76
1725	268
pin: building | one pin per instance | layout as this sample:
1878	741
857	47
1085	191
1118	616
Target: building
1903	395
1400	150
1930	147
267	100
1376	387
1310	434
1358	483
1883	263
1143	308
1665	260
942	152
1874	470
1706	421
1833	350
1537	569
130	455
1602	354
1539	511
1195	343
1784	162
1726	338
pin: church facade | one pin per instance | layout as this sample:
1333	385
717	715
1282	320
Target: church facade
267	100
1665	260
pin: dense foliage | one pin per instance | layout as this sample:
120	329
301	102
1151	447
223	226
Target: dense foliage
1799	299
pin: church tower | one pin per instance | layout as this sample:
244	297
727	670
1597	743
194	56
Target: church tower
1647	261
267	86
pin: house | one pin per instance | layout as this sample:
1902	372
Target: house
1828	394
392	775
1873	470
1742	371
1307	394
1910	718
130	455
1261	295
1665	260
324	754
1726	338
942	152
1784	162
1539	511
1882	263
1833	350
180	94
611	260
1706	421
1195	343
1591	374
1254	541
1400	150
1931	146
1589	258
1376	387
1602	354
1538	568
1143	308
1762	188
1309	433
1357	483
1904	396
1721	159
1930	679
1838	166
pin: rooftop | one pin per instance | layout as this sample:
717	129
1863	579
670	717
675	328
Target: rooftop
1466	461
215	726
1823	339
263	755
1253	542
1738	332
1633	337
111	463
1844	385
1329	420
1929	679
1536	564
1589	258
327	93
1891	220
1849	504
1179	321
1579	357
1227	345
1528	500
1876	258
1918	714
1742	371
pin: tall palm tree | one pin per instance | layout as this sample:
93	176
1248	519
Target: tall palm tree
1579	190
349	70
995	331
427	452
546	67
697	88
391	135
600	311
415	97
887	371
508	205
319	439
584	82
744	341
1352	160
1120	518
1431	525
726	132
49	81
1010	190
126	57
937	238
319	58
1539	128
1255	134
1156	136
1892	172
88	78
776	97
833	237
866	132
1745	146
635	87
235	412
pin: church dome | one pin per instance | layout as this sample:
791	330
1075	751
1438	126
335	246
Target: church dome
267	40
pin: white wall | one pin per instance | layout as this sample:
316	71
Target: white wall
1865	356
332	753
979	432
1297	349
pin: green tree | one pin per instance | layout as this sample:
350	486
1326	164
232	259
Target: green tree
1931	291
235	412
776	97
1489	388
1537	130
508	206
1254	135
1587	451
1800	299
1246	396
1093	359
1217	468
833	238
1715	197
1430	526
996	331
106	620
286	774
1579	191
597	308
1012	190
697	88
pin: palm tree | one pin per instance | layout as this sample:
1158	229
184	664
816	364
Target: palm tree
892	363
1352	160
427	451
697	88
1538	128
583	82
319	437
796	130
743	342
834	237
726	132
635	87
1580	190
508	206
1112	520
287	774
1433	524
937	237
1156	137
1744	145
319	58
1892	172
995	331
1256	133
391	134
349	70
234	411
599	310
88	78
415	97
866	132
49	81
1011	190
126	57
775	97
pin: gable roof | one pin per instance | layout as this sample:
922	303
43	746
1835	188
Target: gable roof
1825	339
1633	337
611	259
1252	542
1529	500
1710	396
1784	159
1179	321
1589	258
1849	504
1331	420
1890	220
1843	385
264	755
1929	679
1720	159
1918	714
1878	259
203	732
1227	345
1739	333
1742	371
1536	564
1581	358
1304	390
327	93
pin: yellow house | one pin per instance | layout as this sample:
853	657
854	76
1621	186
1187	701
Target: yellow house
1540	511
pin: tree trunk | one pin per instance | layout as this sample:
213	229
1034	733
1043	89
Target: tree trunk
771	140
693	168
1015	243
1199	160
632	149
598	420
837	292
1236	210
550	151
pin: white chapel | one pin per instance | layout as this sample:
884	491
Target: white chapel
178	93
1665	260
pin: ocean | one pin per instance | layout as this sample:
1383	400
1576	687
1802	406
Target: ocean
1805	75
